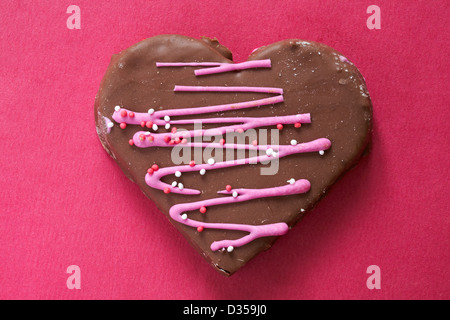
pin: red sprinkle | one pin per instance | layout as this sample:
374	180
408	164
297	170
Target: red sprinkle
297	125
240	130
123	113
155	167
141	137
177	140
150	138
200	228
255	142
123	125
203	209
222	141
143	124
174	129
131	142
192	163
150	171
166	190
131	114
279	126
166	139
149	124
228	188
184	141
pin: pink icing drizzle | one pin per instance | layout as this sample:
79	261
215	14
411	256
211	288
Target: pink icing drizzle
188	64
228	89
235	66
244	123
255	231
157	115
140	139
154	180
217	67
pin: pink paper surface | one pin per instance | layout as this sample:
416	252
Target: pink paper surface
58	185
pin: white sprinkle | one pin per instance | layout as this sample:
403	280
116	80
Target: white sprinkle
230	249
269	151
202	171
274	154
180	186
117	108
166	118
167	126
110	124
235	194
211	161
150	111
147	133
174	184
293	142
177	174
184	216
302	210
291	181
155	127
321	152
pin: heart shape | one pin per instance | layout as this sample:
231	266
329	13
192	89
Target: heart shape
168	105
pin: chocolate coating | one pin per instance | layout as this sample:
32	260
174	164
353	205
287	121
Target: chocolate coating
315	78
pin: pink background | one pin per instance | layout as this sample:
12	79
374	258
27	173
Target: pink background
59	189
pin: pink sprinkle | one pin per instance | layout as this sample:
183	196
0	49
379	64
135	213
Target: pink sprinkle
123	125
240	130
203	209
255	143
184	141
174	129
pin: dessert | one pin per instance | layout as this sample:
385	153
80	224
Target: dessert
234	154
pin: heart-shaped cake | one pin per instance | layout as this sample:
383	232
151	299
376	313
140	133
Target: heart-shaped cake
234	154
